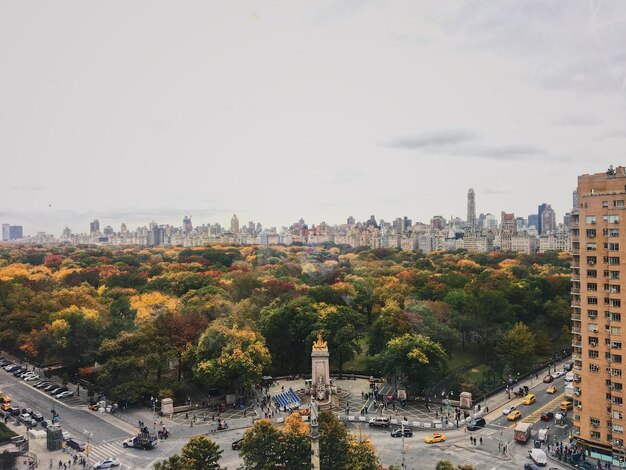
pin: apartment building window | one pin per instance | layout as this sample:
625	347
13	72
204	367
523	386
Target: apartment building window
616	344
617	358
593	355
590	219
616	414
617	401
618	203
616	317
611	246
592	273
612	219
616	372
591	246
612	260
605	203
616	330
593	368
614	275
591	233
591	260
593	341
610	232
613	289
618	428
616	303
595	435
592	314
595	422
617	386
592	286
592	300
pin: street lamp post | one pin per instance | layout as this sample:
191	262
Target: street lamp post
88	434
154	415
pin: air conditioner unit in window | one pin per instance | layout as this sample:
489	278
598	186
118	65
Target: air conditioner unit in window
592	262
593	343
577	393
580	407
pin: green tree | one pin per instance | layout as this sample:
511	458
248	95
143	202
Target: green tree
444	465
334	442
361	455
417	358
342	327
199	453
287	329
516	348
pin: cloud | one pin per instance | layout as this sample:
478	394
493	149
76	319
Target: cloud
575	120
463	144
442	138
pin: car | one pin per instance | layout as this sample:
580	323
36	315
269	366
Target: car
94	407
15	411
24	416
513	415
52	390
107	463
18	371
64	394
551	389
10	367
66	435
5	398
476	423
37	384
5	407
508	409
27	410
52	385
435	437
548	378
75	444
379	421
398	432
237	444
46	422
538	456
43	384
566	405
547	416
529	399
557	374
37	416
530	466
568	367
30	378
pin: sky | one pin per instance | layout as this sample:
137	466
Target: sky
151	110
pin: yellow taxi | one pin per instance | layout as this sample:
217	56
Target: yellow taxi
551	389
5	407
435	437
513	415
528	399
566	405
5	398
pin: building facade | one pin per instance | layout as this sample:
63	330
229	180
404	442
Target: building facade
598	243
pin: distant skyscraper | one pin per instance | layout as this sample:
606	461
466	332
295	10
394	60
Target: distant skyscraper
123	228
187	227
575	199
6	234
16	232
471	210
234	224
94	227
547	219
108	230
533	220
350	221
438	222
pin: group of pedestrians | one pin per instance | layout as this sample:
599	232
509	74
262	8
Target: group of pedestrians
475	441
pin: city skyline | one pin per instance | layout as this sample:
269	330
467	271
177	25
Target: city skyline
277	112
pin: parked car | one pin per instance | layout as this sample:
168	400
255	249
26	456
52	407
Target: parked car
31	378
476	423
547	416
107	463
46	422
398	432
435	437
60	390
76	445
548	378
24	416
37	416
52	390
64	394
52	385
42	384
15	411
557	374
10	367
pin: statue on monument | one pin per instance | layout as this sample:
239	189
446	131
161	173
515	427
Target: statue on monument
314	410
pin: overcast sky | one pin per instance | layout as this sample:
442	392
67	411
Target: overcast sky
142	110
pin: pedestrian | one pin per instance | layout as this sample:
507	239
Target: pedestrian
481	440
471	440
186	415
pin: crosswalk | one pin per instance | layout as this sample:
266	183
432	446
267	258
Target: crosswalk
105	450
465	456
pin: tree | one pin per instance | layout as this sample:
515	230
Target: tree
361	455
287	329
516	348
199	453
334	442
342	327
444	465
416	357
262	446
230	357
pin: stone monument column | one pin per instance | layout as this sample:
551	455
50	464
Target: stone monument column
320	369
315	436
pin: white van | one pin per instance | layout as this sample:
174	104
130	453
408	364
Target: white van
542	435
538	456
569	377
